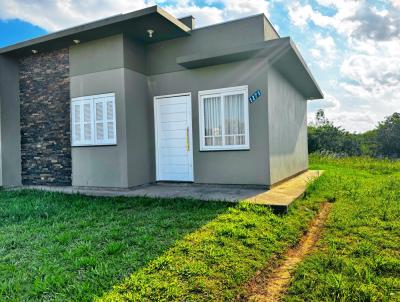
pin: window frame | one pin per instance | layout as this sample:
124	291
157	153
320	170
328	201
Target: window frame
92	100
223	92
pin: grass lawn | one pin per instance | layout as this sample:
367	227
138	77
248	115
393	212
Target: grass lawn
358	256
56	247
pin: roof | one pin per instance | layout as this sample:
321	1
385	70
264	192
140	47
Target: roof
134	24
282	53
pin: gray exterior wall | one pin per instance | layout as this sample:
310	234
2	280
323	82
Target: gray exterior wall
102	166
224	167
97	55
10	146
287	128
161	57
140	134
130	162
136	73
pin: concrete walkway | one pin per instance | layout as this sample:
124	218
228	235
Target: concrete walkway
284	194
279	197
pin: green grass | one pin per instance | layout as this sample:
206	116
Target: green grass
358	256
56	247
213	263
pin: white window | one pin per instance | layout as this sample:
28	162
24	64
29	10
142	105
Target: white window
224	119
93	120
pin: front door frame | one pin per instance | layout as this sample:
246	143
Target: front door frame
190	121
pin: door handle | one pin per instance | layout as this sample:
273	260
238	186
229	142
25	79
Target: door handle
187	140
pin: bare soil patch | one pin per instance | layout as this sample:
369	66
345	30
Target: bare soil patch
270	284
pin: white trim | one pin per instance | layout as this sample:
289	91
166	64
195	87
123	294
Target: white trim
224	90
221	92
190	121
173	95
92	100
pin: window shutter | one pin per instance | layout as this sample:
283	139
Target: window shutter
99	107
87	122
105	120
111	122
93	120
76	123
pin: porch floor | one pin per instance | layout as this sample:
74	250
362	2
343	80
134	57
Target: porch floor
279	197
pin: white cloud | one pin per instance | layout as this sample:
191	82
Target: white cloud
373	76
54	15
240	8
329	101
396	3
301	15
203	15
352	121
324	51
369	79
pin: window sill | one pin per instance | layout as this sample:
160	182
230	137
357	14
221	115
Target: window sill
101	145
245	148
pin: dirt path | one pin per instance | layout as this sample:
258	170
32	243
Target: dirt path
269	285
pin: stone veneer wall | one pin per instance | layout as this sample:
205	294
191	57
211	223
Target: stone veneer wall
45	119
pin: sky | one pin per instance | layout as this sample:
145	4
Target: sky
351	46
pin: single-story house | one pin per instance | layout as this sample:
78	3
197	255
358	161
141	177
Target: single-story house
145	97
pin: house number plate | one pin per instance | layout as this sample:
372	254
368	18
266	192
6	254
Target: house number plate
255	96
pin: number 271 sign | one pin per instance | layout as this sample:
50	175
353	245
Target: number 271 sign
255	96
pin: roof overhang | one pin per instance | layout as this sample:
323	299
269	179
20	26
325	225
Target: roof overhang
281	53
134	24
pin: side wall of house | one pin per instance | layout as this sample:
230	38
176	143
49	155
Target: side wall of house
45	118
10	139
287	114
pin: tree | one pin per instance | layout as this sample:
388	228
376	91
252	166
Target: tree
388	136
324	136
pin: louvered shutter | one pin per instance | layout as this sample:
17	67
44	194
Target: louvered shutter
87	122
76	123
93	120
111	120
105	125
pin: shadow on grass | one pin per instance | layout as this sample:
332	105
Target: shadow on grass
69	247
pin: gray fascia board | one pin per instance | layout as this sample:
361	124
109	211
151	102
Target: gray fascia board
94	25
303	62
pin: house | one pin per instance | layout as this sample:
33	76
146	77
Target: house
145	97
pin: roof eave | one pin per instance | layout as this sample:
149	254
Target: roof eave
93	26
300	57
278	51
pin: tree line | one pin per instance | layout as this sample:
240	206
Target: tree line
383	141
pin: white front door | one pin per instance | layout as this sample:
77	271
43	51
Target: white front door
173	126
